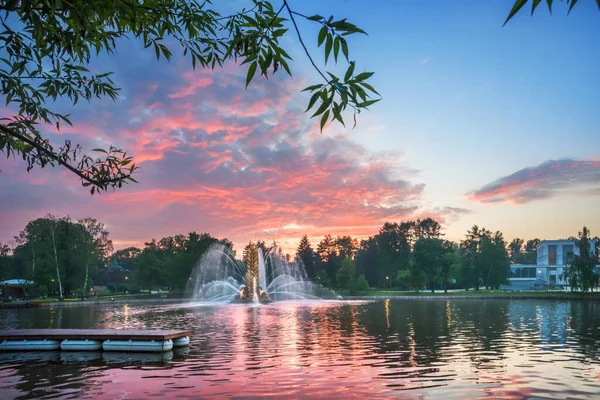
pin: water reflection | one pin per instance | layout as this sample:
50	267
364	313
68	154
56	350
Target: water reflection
384	349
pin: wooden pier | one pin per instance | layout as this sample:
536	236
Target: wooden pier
93	339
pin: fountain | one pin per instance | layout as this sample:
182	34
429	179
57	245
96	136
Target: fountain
263	277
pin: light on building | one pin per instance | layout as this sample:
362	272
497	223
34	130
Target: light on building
539	271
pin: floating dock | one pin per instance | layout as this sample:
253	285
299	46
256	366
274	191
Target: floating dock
138	340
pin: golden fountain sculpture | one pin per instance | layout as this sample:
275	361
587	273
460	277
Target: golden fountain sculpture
252	291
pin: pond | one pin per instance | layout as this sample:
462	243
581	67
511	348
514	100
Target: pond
509	349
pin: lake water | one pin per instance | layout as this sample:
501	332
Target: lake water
425	349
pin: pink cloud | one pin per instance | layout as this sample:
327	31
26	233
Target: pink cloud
191	89
549	179
242	164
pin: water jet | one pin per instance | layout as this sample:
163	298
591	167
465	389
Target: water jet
262	277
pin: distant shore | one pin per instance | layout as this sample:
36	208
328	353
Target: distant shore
477	294
374	295
90	302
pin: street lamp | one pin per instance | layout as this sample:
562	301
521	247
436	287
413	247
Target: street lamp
387	278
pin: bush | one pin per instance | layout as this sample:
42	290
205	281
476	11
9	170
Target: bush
111	287
322	278
40	290
345	275
359	285
134	289
415	279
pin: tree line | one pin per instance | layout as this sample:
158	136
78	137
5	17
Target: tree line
66	257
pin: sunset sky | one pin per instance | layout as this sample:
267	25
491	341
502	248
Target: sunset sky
479	124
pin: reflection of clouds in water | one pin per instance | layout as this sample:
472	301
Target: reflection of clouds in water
432	348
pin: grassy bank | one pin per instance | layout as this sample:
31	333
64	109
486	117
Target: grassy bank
172	296
503	294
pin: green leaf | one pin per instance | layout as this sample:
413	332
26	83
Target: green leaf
366	104
311	88
315	18
516	7
324	119
349	71
328	45
336	48
365	84
322	35
572	5
285	66
534	5
323	106
279	32
345	47
251	71
363	76
312	100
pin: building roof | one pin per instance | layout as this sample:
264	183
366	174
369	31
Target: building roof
16	282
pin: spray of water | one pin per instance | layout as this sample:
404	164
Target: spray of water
219	277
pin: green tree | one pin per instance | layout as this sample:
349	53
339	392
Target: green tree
427	258
150	272
59	253
96	247
169	262
394	250
580	273
31	255
367	262
127	258
329	260
450	263
306	253
531	251
51	225
469	247
48	48
346	246
492	260
345	275
515	251
427	228
5	261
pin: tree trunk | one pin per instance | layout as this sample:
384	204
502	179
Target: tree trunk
60	288
85	282
33	261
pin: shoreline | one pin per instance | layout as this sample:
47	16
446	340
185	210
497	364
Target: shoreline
83	303
566	296
478	297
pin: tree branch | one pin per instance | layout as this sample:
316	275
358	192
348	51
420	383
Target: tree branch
291	13
53	156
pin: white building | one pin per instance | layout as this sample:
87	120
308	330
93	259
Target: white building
552	258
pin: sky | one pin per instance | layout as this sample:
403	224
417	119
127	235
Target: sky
478	124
